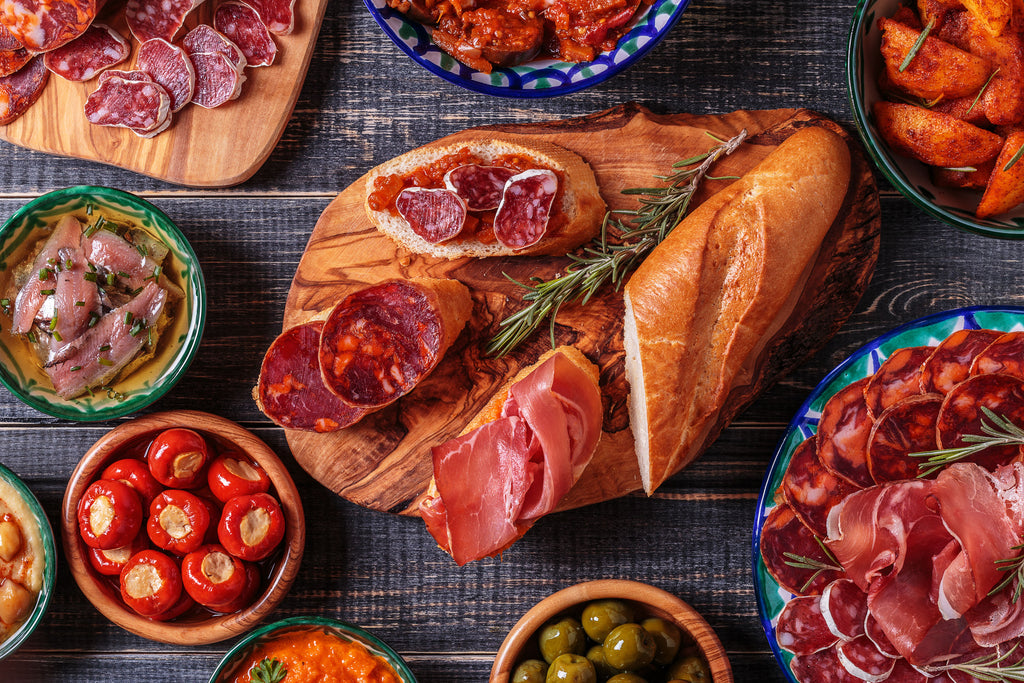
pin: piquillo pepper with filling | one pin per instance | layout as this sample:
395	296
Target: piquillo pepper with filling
213	577
177	457
111	562
231	475
251	526
109	514
151	583
178	521
134	473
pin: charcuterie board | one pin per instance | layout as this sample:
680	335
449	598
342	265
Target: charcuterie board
384	462
203	147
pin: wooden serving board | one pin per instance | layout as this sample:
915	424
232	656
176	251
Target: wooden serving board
203	147
384	462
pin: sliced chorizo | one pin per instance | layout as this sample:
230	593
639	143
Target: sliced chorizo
810	489
950	361
906	427
843	432
961	414
1005	355
44	25
99	48
480	186
12	60
898	377
240	24
435	215
142	106
20	90
801	629
525	208
786	541
149	19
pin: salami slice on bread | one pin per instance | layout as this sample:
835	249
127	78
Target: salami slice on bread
575	215
706	302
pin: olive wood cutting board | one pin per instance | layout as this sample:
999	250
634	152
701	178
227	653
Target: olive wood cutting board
203	147
384	461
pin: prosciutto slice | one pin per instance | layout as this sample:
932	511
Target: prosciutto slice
493	482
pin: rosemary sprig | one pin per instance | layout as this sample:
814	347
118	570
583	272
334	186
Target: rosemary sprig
1014	568
987	668
611	260
982	91
803	562
1001	432
268	671
1014	159
917	45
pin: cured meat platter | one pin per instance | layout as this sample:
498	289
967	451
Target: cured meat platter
202	148
384	461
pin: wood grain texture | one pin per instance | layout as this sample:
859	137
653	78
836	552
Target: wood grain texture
203	147
387	463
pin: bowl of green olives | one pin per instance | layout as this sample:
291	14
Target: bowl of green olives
611	631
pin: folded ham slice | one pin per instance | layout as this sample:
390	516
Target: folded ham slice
492	482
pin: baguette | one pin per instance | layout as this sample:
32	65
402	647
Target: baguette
576	214
703	305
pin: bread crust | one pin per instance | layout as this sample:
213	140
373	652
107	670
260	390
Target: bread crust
710	297
581	198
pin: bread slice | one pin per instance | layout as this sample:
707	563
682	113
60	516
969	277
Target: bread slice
581	201
706	302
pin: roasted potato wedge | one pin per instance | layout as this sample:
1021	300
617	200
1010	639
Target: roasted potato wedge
934	138
1005	188
969	109
938	69
963	180
994	15
1003	99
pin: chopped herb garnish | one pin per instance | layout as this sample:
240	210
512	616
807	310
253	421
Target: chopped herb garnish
44	273
32	337
141	248
53	322
156	273
137	327
88	209
92	266
123	275
57	336
137	291
6	305
128	317
76	368
114	394
105	347
917	45
105	361
91	230
69	264
91	277
47	292
94	318
90	391
110	279
52	261
79	303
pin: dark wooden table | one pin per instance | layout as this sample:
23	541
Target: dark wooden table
362	103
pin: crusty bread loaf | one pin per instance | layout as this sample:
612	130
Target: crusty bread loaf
709	298
581	200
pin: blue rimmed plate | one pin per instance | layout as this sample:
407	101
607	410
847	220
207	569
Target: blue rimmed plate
538	78
177	345
928	331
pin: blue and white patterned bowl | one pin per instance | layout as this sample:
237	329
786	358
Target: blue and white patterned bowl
538	78
927	331
864	63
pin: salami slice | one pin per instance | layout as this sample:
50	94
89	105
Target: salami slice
134	75
950	362
898	377
171	67
801	629
149	19
877	636
12	60
142	106
844	607
217	80
43	25
20	90
290	390
810	489
99	48
906	427
843	433
961	414
522	217
380	342
784	539
902	672
278	15
435	215
862	659
240	24
205	39
821	667
1005	355
480	186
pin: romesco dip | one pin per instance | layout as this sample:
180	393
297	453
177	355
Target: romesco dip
313	656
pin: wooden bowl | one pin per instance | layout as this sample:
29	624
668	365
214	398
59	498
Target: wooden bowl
650	601
191	629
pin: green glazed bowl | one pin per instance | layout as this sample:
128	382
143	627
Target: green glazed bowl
227	669
864	63
15	640
177	345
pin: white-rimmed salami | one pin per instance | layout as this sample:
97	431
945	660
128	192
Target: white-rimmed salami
171	67
480	186
134	75
290	390
810	489
12	60
950	362
435	215
862	659
877	636
522	217
278	15
906	427
44	25
961	415
898	377
217	79
205	39
149	19
20	90
99	48
844	606
801	629
843	433
821	667
1005	355
240	24
142	106
786	541
902	672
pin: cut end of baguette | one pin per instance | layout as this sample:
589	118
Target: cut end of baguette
636	402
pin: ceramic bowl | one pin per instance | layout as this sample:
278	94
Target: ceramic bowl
863	65
228	667
178	345
521	641
196	626
537	78
14	641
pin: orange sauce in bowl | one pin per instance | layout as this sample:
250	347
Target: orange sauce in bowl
315	656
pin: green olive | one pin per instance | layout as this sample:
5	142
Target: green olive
530	671
601	616
562	636
626	678
629	647
689	670
570	668
596	657
667	638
